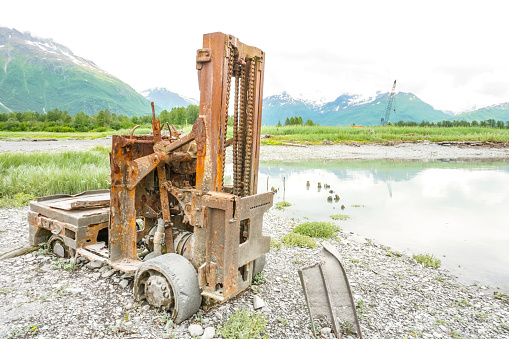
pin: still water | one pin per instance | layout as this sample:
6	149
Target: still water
457	211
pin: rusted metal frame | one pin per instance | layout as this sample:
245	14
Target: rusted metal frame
197	133
189	201
253	208
165	207
257	119
141	167
222	247
156	125
122	229
212	76
257	56
230	55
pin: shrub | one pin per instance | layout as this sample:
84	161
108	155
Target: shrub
244	324
295	239
317	229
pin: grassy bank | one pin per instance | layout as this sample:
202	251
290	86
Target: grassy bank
316	134
5	135
25	176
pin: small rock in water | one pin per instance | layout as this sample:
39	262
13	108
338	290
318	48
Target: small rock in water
208	333
258	302
195	330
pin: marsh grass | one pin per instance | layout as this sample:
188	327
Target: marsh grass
340	217
316	134
25	176
317	229
427	260
295	239
281	205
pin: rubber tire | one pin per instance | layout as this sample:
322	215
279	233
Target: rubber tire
183	279
259	264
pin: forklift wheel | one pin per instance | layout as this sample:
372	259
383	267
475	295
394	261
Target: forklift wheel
169	282
59	248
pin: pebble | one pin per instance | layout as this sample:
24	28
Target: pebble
208	333
258	302
108	273
325	331
195	330
124	283
94	264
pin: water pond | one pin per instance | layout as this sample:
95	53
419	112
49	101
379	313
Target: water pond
457	211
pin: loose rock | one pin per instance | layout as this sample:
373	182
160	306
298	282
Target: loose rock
195	330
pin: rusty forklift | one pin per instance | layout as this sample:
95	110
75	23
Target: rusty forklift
190	239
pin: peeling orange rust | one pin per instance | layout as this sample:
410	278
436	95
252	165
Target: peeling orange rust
180	178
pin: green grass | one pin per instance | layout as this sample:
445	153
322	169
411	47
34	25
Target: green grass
282	204
427	260
294	239
317	229
340	217
275	244
244	324
24	176
5	135
259	278
316	134
502	296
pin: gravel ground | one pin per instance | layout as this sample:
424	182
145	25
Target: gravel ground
395	296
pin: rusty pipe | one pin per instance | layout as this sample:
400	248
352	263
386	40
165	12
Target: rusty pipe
158	238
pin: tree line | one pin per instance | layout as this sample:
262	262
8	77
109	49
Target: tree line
296	121
455	123
61	121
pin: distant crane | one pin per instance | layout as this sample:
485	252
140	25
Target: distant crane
385	120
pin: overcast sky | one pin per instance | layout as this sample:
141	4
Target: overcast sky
451	54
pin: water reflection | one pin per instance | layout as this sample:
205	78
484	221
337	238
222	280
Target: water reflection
455	210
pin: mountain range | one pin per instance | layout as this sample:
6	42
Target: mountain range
41	75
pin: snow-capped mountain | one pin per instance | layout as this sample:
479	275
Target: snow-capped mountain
40	75
348	109
167	99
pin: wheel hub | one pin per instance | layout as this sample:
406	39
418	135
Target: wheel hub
58	249
158	292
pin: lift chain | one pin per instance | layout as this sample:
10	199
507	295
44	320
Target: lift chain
249	123
240	137
236	186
